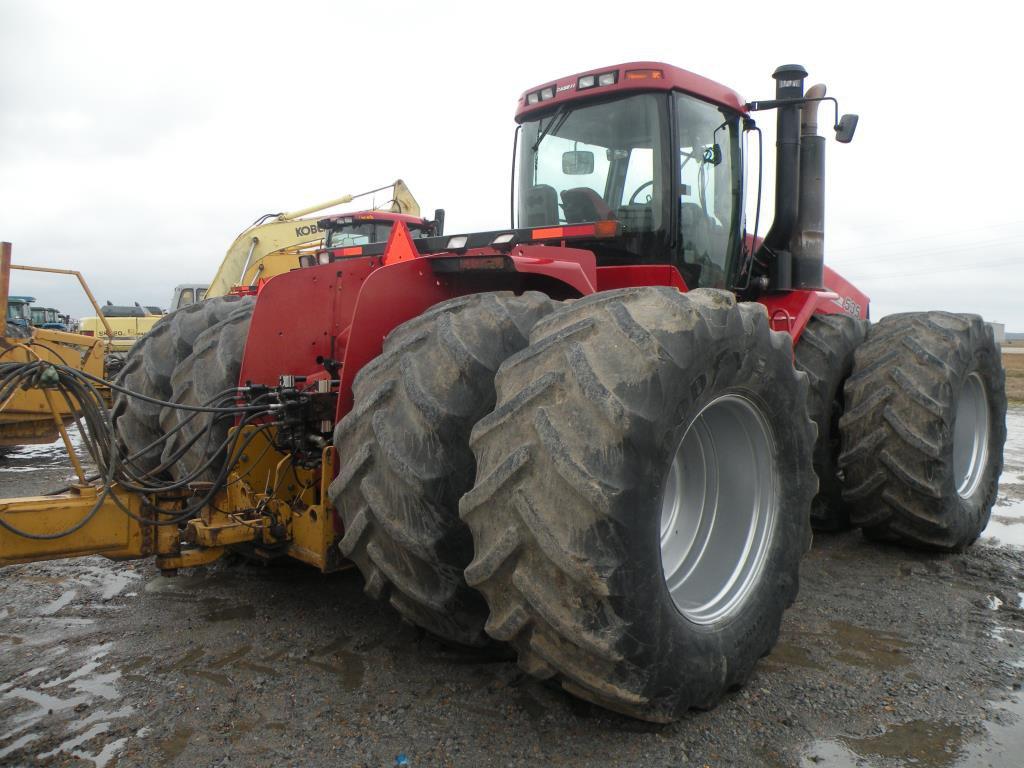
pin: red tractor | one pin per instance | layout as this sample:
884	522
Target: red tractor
601	435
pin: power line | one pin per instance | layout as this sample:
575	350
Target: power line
939	251
868	246
930	272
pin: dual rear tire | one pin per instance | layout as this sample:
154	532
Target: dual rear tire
923	430
608	557
153	368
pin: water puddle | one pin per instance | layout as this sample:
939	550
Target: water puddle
51	608
17	744
232	657
919	742
229	613
869	648
67	695
351	669
787	655
927	744
44	460
1006	526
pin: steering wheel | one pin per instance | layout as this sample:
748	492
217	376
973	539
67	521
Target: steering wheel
632	198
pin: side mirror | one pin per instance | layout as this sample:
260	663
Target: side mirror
577	163
438	222
845	129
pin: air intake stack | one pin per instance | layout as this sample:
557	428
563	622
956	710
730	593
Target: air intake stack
808	241
789	84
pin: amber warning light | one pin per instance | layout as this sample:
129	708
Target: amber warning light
644	74
597	229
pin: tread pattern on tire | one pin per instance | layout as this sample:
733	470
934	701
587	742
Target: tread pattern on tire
555	498
825	353
898	426
405	458
148	368
214	366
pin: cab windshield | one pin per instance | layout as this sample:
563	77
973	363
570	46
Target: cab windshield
364	232
665	166
599	161
18	311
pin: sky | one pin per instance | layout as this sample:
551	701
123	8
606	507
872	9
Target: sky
137	140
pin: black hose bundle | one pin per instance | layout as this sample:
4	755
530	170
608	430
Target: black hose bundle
92	417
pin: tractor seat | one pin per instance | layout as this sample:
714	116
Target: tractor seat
540	206
584	204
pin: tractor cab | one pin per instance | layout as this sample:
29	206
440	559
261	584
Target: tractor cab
51	319
650	146
19	310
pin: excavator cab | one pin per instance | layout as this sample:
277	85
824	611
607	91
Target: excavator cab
363	228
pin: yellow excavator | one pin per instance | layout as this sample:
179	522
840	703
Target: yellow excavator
275	243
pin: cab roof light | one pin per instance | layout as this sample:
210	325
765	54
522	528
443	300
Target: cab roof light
457	243
587	81
533	98
608	78
547	93
307	260
607	228
504	239
644	74
324	258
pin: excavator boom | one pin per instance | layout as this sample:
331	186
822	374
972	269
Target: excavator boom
249	256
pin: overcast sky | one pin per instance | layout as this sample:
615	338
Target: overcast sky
137	140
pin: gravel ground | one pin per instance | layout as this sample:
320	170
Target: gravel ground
888	658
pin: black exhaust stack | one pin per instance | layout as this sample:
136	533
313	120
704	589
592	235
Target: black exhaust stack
789	84
808	241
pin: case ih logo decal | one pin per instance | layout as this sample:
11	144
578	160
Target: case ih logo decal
566	87
308	229
848	305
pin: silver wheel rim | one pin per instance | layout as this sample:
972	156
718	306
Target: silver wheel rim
970	437
718	510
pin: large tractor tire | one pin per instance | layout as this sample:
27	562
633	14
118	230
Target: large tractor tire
148	369
642	495
924	429
196	451
405	457
825	353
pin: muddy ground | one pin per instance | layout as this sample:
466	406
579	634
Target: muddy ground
888	658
